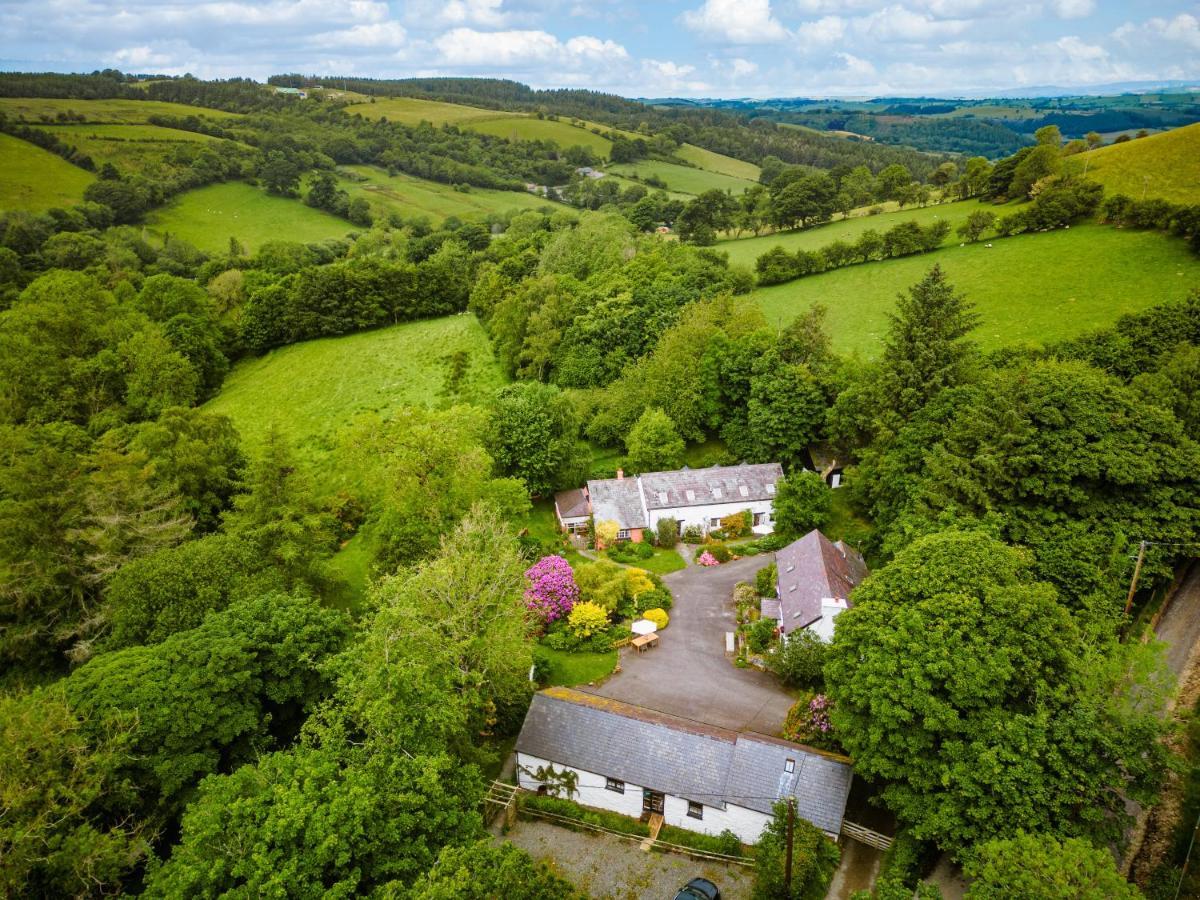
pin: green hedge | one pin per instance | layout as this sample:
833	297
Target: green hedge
727	842
586	814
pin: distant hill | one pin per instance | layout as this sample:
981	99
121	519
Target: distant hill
1165	165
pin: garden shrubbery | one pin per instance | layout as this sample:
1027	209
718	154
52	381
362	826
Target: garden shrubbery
602	818
658	616
630	552
726	842
765	579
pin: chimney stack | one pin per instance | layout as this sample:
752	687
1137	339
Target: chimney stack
620	474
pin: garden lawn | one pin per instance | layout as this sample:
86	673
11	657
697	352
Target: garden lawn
1165	165
410	196
528	128
541	523
312	390
1029	290
681	178
663	562
570	669
209	216
35	179
37	110
747	250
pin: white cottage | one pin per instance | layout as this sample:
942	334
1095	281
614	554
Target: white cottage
813	583
691	497
640	762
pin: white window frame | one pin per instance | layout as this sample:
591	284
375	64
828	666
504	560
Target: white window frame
622	534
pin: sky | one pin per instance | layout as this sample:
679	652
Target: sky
653	48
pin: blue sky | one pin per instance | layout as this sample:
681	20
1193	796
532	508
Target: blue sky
725	48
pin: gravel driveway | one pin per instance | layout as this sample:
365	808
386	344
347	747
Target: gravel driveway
688	674
609	868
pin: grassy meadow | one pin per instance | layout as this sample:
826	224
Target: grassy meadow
411	111
35	179
718	162
748	249
1164	165
312	390
1029	290
411	196
683	179
209	216
117	112
132	149
527	128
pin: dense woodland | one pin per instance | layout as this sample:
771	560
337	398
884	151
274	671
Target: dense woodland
195	703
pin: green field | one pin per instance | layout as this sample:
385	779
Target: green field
1029	290
1164	165
112	111
719	163
515	127
411	111
746	250
35	179
411	196
682	178
209	216
133	149
313	389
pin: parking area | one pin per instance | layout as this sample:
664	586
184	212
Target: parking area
609	868
688	674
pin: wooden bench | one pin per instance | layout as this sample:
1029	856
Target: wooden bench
642	641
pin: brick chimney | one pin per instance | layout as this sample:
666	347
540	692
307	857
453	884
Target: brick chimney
620	474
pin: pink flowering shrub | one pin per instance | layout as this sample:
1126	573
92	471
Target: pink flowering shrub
808	722
552	590
707	559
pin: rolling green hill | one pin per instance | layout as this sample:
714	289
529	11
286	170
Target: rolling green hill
35	179
117	112
411	196
718	162
1165	165
209	216
312	390
748	249
132	149
682	178
1029	290
411	111
527	128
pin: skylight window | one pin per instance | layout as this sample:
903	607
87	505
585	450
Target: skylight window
743	490
716	493
662	496
770	489
789	766
691	495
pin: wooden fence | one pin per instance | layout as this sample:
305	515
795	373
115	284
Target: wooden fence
866	836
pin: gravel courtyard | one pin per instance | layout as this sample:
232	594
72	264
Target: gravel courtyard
689	675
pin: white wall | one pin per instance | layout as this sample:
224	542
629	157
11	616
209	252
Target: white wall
747	824
699	515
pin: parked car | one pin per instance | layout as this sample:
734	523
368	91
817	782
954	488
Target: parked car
698	889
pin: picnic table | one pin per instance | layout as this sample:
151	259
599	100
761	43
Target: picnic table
642	641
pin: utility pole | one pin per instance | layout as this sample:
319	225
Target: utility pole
1137	571
787	866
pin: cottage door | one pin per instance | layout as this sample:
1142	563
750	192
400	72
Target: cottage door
652	802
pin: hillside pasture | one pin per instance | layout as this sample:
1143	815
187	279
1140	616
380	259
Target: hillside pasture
412	111
1029	290
35	179
1164	165
748	249
527	128
718	162
311	391
683	179
132	149
209	216
410	196
40	110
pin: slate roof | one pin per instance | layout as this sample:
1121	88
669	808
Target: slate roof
617	500
716	484
683	758
811	569
572	504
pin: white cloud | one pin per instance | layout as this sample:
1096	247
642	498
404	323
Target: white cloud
379	34
898	23
1183	29
856	69
475	12
826	30
742	67
468	47
669	76
1073	9
736	22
